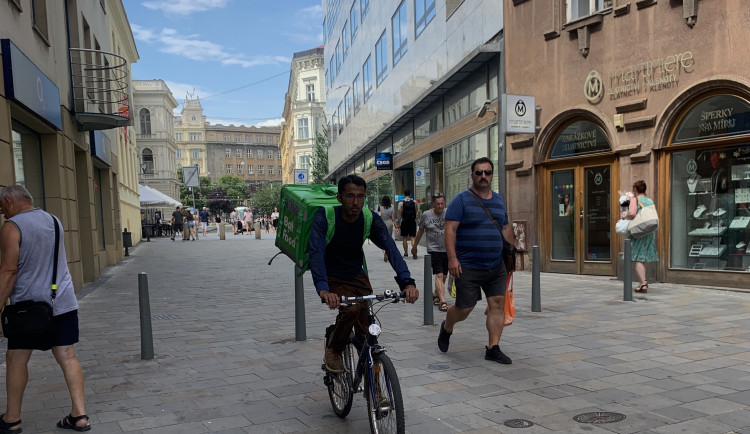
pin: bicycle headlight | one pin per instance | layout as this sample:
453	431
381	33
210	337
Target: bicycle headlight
374	329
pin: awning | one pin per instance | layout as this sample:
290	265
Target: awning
151	197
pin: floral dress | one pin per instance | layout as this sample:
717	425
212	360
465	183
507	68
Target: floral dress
644	249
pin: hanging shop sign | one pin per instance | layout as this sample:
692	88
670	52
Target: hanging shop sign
26	84
383	161
520	113
716	116
579	138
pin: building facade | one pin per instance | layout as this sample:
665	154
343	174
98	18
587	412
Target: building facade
304	112
64	96
405	82
154	122
252	153
626	91
190	136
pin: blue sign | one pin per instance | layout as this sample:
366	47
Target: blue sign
101	146
383	161
27	85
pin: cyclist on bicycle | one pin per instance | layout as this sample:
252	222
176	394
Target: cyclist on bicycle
337	267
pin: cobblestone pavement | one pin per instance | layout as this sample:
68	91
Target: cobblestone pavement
226	360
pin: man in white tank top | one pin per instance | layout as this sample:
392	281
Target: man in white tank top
27	244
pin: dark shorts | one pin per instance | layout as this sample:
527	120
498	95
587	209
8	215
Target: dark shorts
276	223
177	227
66	333
468	286
439	262
409	228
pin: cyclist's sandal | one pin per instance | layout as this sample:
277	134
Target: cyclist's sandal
69	422
5	427
443	307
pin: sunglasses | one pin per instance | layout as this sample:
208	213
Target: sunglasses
480	172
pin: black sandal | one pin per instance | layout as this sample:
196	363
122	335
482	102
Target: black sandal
443	307
5	427
69	422
642	288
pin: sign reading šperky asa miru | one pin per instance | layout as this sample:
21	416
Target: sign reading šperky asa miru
580	138
27	84
716	116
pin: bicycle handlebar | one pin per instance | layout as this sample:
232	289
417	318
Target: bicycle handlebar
395	295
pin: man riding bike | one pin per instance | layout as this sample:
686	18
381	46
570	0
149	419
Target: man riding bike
336	265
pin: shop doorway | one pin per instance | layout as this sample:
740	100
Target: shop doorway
578	218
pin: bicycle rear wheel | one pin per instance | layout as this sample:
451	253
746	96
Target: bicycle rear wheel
385	406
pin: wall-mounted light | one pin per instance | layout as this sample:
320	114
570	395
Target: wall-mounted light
485	108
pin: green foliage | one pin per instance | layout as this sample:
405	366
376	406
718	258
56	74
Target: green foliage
231	191
320	158
266	198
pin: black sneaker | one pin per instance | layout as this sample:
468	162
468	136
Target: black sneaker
444	338
496	355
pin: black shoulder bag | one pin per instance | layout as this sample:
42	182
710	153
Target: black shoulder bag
509	250
31	319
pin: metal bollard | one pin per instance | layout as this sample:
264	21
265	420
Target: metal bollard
428	314
627	279
536	292
300	333
147	337
222	231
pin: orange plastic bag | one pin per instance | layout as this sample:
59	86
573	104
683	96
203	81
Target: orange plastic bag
510	304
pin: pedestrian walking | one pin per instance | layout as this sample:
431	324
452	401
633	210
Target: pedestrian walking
177	218
217	219
386	213
643	249
204	215
233	220
27	243
407	221
190	231
247	220
475	256
275	219
432	223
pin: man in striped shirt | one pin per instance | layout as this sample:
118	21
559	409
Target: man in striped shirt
475	256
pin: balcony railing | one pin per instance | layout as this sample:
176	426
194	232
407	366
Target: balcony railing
100	89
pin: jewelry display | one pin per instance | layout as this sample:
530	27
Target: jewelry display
692	182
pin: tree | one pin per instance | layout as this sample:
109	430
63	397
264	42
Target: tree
267	197
320	158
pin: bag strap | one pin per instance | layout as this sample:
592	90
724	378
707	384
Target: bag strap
487	211
53	285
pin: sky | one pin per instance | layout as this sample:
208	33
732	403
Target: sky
235	55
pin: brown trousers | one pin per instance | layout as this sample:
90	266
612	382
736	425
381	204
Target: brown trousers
356	316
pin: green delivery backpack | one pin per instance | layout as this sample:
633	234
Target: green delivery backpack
297	207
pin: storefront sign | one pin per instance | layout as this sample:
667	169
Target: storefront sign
579	138
101	146
383	161
647	76
721	115
300	176
520	113
27	84
419	176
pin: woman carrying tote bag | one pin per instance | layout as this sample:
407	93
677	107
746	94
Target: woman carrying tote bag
643	249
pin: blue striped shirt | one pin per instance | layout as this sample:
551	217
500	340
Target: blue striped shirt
479	245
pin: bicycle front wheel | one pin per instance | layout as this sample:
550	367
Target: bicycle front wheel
383	393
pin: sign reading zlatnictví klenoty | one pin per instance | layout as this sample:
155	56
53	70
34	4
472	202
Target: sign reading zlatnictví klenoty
519	113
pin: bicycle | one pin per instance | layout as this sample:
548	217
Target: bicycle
380	385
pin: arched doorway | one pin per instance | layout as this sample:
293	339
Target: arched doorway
577	201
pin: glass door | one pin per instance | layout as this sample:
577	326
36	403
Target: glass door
579	220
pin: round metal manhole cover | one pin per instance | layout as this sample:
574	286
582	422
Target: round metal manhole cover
518	423
598	417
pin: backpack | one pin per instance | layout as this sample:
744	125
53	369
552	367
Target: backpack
296	210
409	210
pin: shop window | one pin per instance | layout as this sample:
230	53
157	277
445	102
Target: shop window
27	161
429	124
580	138
145	119
717	116
458	158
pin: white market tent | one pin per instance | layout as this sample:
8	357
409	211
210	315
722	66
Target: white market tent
151	197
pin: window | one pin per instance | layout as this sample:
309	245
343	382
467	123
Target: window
331	69
367	78
228	153
424	12
381	59
178	137
338	57
249	153
239	153
147	161
398	32
303	130
270	170
582	8
250	169
304	162
278	155
270	155
179	153
310	88
195	137
353	20
196	153
344	41
226	137
39	16
341	115
328	82
145	118
260	169
239	169
364	5
357	94
348	106
257	139
229	168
